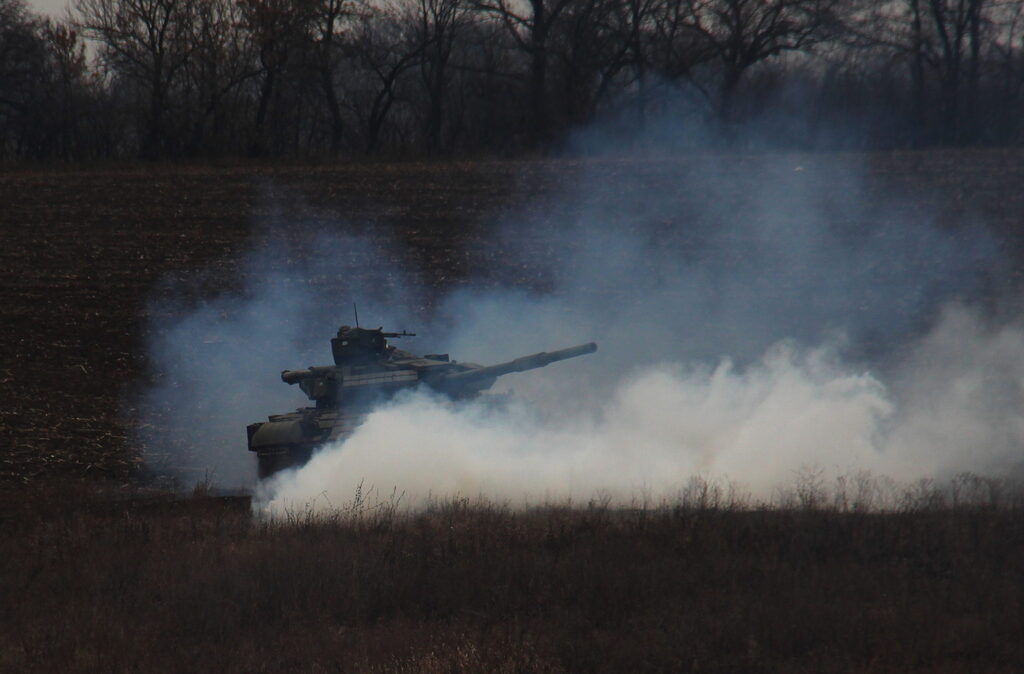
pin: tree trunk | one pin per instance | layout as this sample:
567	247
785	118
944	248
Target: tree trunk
435	105
918	106
970	121
259	148
334	108
151	147
538	73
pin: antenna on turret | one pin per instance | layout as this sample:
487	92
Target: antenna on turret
356	310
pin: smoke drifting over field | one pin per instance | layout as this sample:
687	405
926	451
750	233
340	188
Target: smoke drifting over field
794	318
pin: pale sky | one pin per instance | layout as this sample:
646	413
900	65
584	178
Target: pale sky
54	8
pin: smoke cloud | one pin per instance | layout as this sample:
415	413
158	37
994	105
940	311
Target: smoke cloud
755	316
953	407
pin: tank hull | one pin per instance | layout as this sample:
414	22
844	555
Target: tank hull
290	440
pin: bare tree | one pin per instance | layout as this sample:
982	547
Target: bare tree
439	26
617	40
69	74
222	60
677	45
589	55
486	110
530	23
22	65
432	76
943	42
279	28
635	22
387	47
147	42
1008	54
741	33
955	52
329	24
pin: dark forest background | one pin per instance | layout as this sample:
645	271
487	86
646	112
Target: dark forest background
326	78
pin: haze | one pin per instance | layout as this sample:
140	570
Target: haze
54	8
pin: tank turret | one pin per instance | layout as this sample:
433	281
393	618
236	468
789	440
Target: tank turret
367	370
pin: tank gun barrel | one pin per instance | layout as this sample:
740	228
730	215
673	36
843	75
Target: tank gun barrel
521	364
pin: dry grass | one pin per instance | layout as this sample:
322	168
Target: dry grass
698	585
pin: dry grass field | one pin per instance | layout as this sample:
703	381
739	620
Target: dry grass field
463	587
95	576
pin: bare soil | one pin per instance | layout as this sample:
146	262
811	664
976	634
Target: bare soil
84	254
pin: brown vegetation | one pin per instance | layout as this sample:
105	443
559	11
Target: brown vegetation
475	587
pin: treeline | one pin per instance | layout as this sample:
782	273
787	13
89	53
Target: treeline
207	78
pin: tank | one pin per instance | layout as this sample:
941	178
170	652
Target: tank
368	371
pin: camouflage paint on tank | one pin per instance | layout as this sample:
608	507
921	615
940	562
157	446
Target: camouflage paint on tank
367	371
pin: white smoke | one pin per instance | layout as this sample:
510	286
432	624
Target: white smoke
753	320
661	426
217	360
957	406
